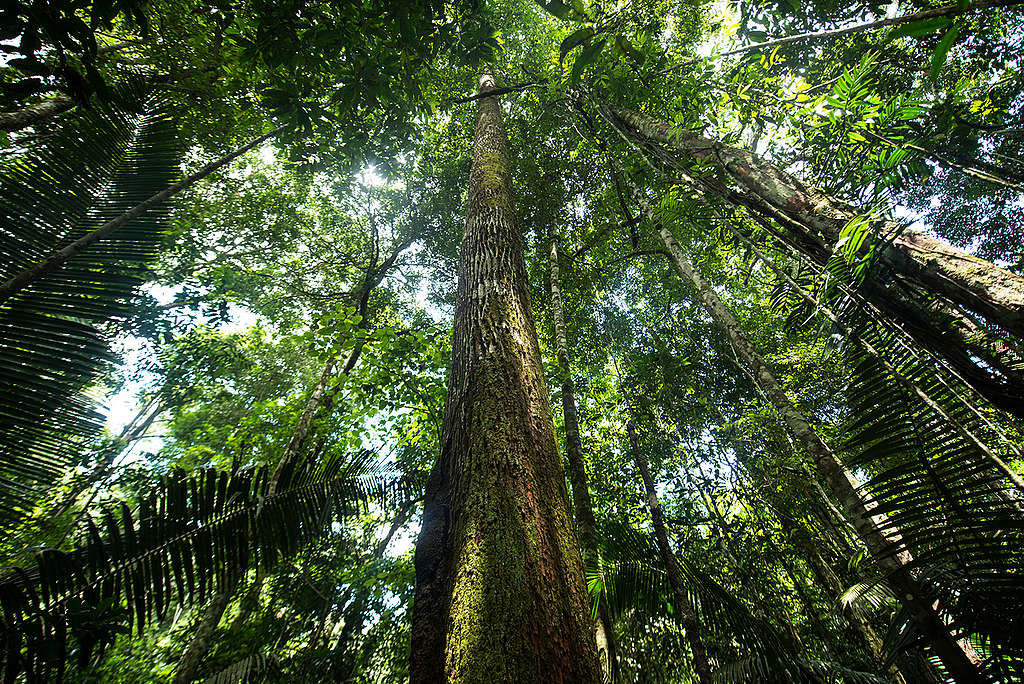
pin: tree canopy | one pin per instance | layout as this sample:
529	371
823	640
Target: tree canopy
532	340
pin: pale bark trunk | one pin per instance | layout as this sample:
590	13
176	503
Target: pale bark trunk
582	504
500	592
908	383
872	529
34	114
829	581
57	259
701	663
250	601
810	223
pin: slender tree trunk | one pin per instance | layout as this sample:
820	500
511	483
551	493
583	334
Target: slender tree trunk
829	581
250	601
500	593
908	383
586	526
869	527
56	259
33	114
302	427
701	663
199	644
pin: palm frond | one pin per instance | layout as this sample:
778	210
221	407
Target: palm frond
191	536
95	167
630	576
253	668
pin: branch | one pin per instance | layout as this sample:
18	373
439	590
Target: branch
500	91
949	10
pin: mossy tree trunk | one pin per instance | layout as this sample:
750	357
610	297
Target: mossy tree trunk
500	593
959	661
199	644
586	526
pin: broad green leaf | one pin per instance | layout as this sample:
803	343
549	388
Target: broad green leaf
574	39
628	49
939	58
585	58
917	29
557	8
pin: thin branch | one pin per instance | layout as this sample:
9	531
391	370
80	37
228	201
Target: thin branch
949	10
500	91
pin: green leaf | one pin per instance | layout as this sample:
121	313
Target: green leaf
917	29
939	58
574	39
585	58
556	7
628	49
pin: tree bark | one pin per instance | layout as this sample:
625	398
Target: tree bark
701	663
586	526
33	114
56	259
908	383
871	528
500	593
199	644
829	581
971	282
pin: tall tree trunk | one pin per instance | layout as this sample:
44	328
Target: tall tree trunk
701	663
500	593
958	662
812	222
56	259
586	526
199	644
